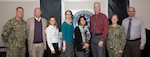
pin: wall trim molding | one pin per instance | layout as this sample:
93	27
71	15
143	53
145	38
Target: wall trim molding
19	0
83	0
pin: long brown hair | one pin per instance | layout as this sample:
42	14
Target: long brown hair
55	20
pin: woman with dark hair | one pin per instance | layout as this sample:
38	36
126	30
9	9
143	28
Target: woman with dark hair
82	37
67	36
52	35
116	38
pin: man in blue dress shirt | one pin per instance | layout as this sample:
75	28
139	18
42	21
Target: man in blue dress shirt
135	34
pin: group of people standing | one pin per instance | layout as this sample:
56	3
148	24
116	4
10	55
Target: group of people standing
127	40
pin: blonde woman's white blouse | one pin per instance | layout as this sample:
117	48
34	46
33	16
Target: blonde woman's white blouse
52	35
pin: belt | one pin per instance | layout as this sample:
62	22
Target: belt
97	34
38	42
54	43
134	39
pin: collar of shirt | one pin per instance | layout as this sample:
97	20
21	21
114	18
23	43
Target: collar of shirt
54	27
38	19
131	18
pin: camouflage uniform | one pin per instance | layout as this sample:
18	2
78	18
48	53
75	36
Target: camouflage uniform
115	41
14	35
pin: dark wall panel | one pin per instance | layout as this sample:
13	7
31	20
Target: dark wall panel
51	8
118	7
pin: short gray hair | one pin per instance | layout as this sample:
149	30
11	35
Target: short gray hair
97	3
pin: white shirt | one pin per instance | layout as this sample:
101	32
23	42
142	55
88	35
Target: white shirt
38	19
52	34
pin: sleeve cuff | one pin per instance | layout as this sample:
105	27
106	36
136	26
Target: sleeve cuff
52	48
142	44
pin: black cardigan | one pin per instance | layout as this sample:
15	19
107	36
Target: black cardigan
78	39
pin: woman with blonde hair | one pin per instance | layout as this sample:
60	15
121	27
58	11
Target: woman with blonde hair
52	35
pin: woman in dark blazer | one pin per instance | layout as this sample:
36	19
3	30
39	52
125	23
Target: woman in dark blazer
82	37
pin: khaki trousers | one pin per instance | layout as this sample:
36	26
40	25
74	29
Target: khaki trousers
37	50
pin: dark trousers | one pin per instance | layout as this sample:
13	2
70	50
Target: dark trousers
55	45
132	49
81	53
96	50
69	50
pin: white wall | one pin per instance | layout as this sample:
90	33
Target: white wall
142	10
78	5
